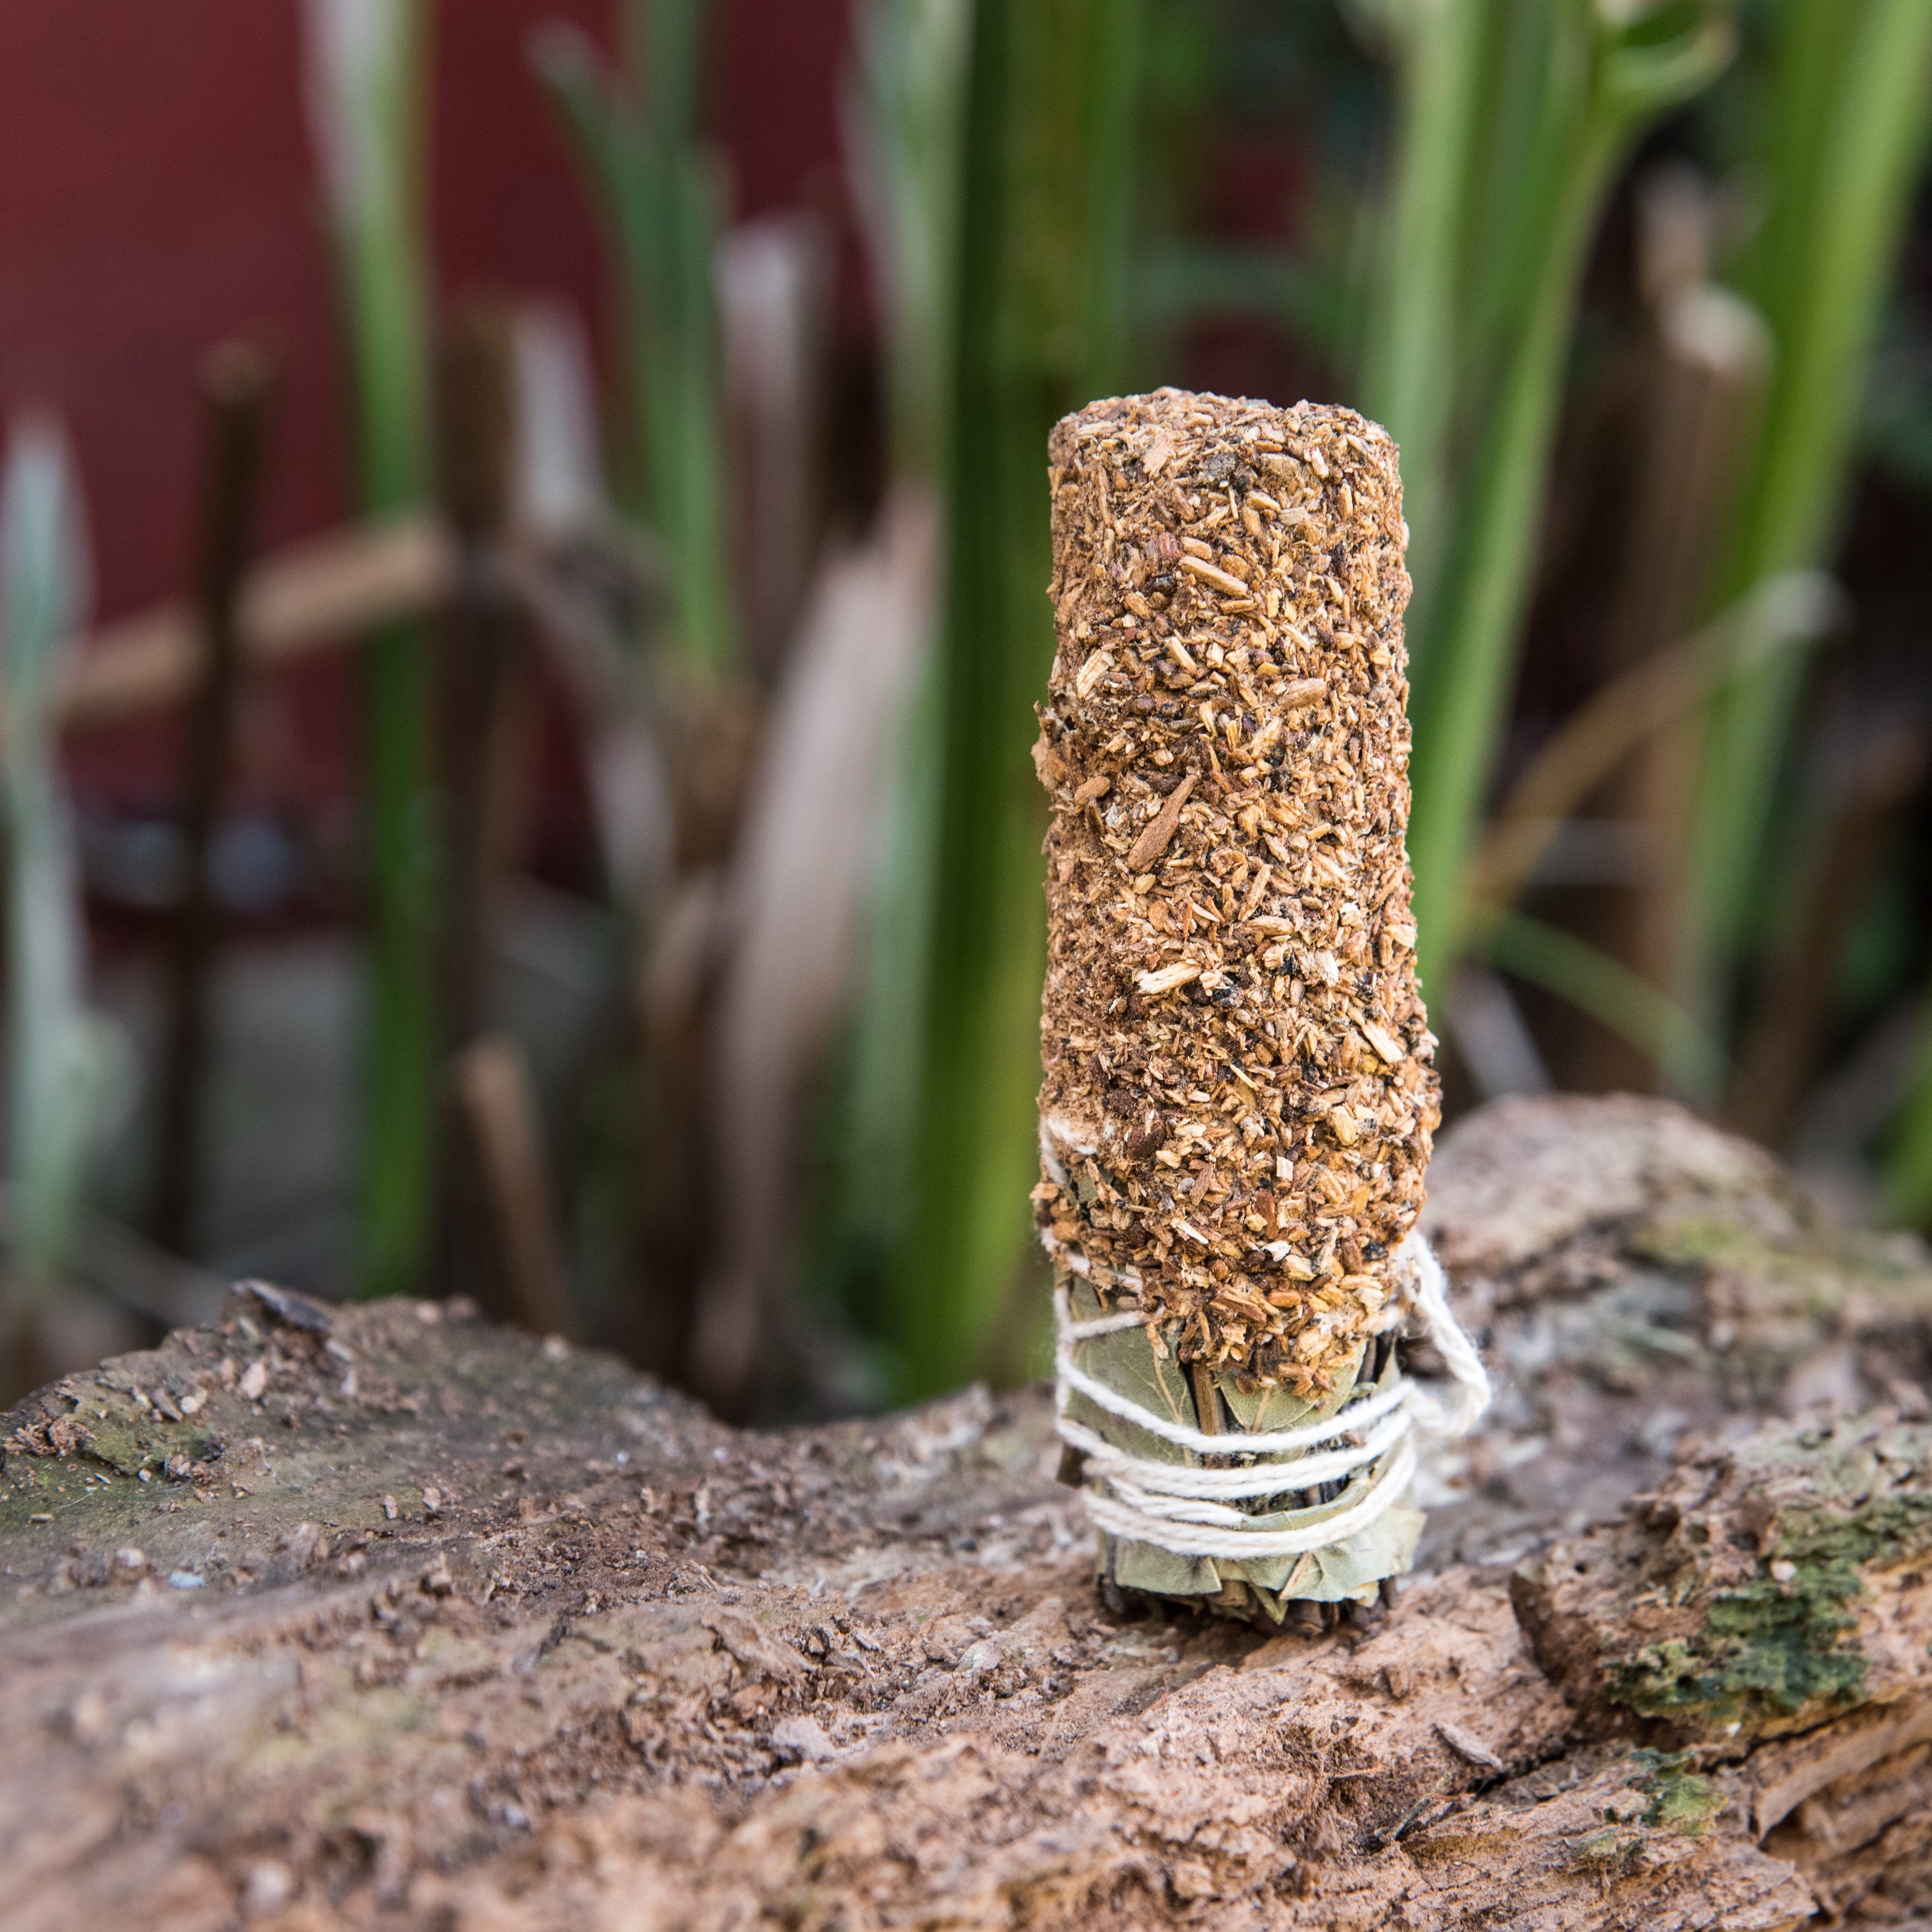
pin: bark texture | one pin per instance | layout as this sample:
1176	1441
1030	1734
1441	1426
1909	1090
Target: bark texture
384	1616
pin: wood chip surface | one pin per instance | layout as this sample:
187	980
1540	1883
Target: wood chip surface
1239	1091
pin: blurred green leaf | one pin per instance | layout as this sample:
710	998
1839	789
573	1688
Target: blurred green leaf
1605	989
1050	103
905	121
365	79
1836	158
1186	280
1566	88
61	1058
658	192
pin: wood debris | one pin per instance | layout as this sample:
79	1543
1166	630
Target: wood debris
1240	1091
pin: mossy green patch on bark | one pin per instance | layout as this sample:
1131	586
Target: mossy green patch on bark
1681	1800
1785	1262
1765	1647
1858	1514
1758	1592
1662	1800
1780	1643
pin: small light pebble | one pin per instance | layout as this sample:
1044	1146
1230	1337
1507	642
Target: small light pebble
1784	1570
803	1737
186	1580
269	1886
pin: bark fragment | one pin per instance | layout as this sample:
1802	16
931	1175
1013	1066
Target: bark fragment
1767	1585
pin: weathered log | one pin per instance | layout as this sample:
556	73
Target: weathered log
382	1616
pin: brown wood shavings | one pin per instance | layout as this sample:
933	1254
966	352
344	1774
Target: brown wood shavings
1239	1092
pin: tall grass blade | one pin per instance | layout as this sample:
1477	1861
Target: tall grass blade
59	1058
1606	989
904	111
364	79
1780	614
1580	82
1843	143
799	882
1409	357
1116	36
1048	129
659	195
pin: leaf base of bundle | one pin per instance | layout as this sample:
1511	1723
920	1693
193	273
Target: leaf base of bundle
1308	1590
1126	1572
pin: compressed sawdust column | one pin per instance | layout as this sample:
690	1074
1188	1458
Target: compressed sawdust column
1239	1092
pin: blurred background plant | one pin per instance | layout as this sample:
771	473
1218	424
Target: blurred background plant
62	1056
695	852
365	83
637	132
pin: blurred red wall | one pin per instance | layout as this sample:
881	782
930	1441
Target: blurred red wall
157	192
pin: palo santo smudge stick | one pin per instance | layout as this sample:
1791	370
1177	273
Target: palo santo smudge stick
1239	1097
1239	1092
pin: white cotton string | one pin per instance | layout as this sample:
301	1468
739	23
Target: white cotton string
1106	1324
1183	1510
1470	1380
1263	1481
1240	1545
1073	1378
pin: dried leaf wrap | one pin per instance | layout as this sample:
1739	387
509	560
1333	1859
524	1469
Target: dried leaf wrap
1239	1090
1134	1363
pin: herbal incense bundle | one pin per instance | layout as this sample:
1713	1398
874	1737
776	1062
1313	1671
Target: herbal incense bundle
1239	1091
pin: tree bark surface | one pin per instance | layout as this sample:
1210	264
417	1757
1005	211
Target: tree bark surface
382	1616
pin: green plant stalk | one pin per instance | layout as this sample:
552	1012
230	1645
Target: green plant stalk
1848	131
1174	282
1598	87
1462	679
1908	1168
904	108
56	1056
1600	985
658	194
1045	114
661	43
370	126
1408	362
1116	48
